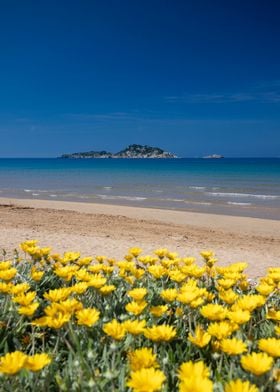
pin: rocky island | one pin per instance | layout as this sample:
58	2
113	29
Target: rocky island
132	151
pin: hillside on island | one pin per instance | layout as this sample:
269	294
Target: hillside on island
132	151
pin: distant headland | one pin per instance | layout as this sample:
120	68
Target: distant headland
132	151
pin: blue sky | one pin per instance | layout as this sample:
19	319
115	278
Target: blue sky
193	77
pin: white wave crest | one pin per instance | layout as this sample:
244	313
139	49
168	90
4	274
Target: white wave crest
131	198
202	203
230	194
239	204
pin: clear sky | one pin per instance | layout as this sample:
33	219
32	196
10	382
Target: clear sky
193	77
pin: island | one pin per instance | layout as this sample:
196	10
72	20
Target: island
132	151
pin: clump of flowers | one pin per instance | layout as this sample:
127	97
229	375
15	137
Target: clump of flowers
142	324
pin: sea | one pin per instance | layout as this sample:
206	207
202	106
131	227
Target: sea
232	186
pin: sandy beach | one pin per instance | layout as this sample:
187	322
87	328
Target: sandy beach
110	230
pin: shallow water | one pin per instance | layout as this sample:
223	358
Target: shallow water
249	187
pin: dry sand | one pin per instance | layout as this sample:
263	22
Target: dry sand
110	230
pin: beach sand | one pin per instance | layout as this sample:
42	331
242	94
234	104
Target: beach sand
99	229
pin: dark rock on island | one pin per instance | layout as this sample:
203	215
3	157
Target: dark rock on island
132	151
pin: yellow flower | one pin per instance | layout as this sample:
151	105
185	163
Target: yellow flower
87	316
107	289
277	329
161	253
83	275
25	299
239	316
100	258
193	270
207	254
273	314
136	307
66	272
228	296
159	333
36	275
214	312
193	384
96	268
176	276
265	289
193	370
41	322
135	251
209	296
220	330
55	308
97	281
147	259
4	265
134	327
226	283
12	363
200	338
70	257
57	295
240	386
210	263
169	295
142	358
79	288
158	311
8	274
56	321
271	346
138	272
188	296
138	294
128	257
26	245
172	255
157	271
257	363
37	362
5	287
20	288
85	261
188	260
146	380
250	302
233	346
70	305
115	329
197	302
28	310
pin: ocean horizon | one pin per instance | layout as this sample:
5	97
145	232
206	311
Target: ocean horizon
233	186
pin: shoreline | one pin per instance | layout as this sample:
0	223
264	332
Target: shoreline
111	230
260	226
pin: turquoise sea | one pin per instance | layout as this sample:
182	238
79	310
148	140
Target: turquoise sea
247	186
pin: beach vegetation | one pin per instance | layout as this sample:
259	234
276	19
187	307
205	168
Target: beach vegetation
139	324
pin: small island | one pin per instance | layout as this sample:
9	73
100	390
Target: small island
132	151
